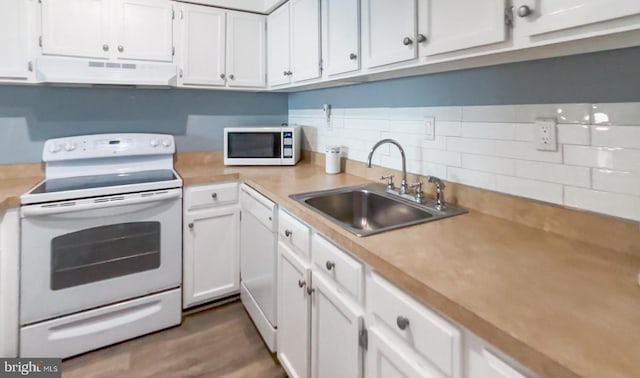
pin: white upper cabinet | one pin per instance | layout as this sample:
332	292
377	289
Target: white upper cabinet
77	28
121	29
201	44
305	39
14	40
278	46
246	49
341	35
537	17
144	30
450	25
390	29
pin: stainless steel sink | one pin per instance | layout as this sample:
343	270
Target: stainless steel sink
369	209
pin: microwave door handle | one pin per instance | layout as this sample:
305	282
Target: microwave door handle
44	210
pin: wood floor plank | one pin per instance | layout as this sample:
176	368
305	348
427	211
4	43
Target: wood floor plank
221	342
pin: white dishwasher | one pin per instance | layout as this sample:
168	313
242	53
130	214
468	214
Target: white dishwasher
258	262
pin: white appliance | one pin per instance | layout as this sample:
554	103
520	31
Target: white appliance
101	244
262	145
54	69
258	262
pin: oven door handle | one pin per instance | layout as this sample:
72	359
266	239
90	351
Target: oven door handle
88	204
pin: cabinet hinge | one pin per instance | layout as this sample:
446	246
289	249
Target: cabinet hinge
40	41
173	14
173	50
241	216
30	66
363	338
320	65
181	14
508	16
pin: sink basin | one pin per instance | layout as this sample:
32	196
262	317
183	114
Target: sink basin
369	209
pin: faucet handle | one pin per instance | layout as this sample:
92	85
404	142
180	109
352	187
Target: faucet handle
419	193
390	184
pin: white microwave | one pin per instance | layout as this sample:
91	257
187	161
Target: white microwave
262	145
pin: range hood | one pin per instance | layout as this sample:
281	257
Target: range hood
63	70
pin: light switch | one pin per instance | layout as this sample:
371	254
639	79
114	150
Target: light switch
429	128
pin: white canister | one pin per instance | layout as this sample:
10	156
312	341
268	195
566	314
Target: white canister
332	160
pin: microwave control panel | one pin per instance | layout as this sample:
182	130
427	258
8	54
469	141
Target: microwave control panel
287	144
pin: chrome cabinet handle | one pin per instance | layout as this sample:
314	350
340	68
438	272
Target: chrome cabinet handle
285	73
222	76
232	77
287	233
190	225
330	265
524	11
421	38
121	48
402	322
214	195
310	290
105	47
288	73
301	283
407	41
353	56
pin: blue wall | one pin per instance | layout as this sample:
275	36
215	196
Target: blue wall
29	115
610	76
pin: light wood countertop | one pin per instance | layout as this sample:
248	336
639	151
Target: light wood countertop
560	306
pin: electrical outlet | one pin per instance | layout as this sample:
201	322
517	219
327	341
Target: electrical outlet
429	128
547	135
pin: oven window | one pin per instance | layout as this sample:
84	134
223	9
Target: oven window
100	253
254	145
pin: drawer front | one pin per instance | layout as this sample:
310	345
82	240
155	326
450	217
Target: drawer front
294	233
433	337
338	265
211	195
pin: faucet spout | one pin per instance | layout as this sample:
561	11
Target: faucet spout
403	185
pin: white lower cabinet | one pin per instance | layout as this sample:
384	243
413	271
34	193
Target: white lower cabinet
336	323
211	248
294	308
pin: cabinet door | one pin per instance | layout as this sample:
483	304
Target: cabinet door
553	15
211	255
388	359
14	34
452	25
202	46
341	33
246	49
144	30
305	39
279	49
390	29
293	312
335	326
76	28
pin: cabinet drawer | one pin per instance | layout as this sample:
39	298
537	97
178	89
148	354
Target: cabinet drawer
338	265
211	195
433	337
294	233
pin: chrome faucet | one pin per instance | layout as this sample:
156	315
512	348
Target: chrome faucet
439	192
404	189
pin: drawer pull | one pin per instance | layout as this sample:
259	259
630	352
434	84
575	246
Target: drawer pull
287	233
214	195
330	265
190	225
301	283
402	322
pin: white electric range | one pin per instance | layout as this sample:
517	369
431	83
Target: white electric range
101	244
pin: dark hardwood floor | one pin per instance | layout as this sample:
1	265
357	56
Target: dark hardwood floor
221	342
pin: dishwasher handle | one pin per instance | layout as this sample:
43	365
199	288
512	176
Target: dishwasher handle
99	203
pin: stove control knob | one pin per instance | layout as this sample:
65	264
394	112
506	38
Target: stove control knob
153	143
54	148
70	146
166	142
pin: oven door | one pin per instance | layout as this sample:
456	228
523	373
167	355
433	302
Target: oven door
253	146
87	253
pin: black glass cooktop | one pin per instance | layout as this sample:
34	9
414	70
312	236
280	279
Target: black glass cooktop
101	181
